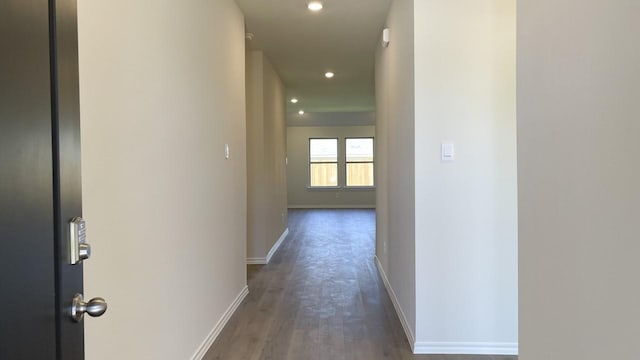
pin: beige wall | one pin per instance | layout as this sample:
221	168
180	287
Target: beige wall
395	197
298	168
447	232
578	149
466	210
166	212
266	147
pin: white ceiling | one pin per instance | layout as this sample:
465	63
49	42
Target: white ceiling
303	45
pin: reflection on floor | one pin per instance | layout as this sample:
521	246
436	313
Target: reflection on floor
320	298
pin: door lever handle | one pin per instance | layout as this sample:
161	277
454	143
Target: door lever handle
94	307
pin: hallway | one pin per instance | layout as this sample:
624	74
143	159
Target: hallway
320	298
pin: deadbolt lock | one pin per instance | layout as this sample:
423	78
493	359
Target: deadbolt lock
79	250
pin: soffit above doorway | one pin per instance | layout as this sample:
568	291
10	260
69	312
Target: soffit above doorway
303	45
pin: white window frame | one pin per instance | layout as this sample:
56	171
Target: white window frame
337	163
347	162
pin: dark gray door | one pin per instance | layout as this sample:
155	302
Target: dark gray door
39	180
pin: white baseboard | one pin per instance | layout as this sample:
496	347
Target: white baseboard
257	261
217	329
274	248
396	305
332	206
462	348
445	348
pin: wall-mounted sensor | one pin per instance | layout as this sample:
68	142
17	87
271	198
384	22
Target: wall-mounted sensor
386	37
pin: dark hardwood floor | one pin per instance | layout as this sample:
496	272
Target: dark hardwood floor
320	298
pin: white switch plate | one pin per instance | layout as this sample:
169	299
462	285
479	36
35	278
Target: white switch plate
226	151
448	152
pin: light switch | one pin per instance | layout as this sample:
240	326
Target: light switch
448	152
226	151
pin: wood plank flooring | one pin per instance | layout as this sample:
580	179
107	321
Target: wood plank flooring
320	298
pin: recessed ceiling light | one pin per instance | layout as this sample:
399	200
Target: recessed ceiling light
329	74
294	100
301	112
315	6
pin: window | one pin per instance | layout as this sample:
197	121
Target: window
323	162
359	155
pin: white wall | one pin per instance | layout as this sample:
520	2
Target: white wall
166	212
298	168
466	210
578	148
266	153
395	196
